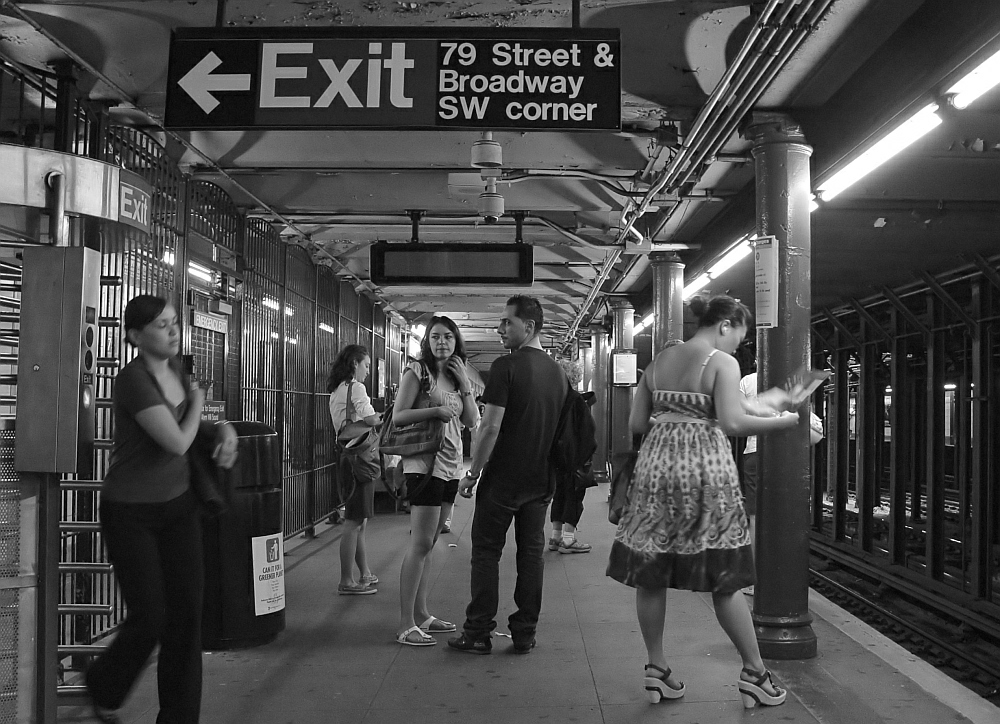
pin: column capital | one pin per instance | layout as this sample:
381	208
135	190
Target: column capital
664	257
621	303
764	127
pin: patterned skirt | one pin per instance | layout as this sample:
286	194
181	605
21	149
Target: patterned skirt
684	526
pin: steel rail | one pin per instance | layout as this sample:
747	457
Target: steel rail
953	650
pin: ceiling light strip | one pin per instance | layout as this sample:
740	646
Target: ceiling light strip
913	128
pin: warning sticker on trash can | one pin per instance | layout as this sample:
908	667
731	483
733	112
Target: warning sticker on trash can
268	574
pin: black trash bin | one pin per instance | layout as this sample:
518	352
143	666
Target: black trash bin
244	563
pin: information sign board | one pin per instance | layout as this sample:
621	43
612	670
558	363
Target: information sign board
399	78
268	574
765	281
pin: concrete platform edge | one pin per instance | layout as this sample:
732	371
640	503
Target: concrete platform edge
939	685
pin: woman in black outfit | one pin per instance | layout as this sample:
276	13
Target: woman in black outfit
150	521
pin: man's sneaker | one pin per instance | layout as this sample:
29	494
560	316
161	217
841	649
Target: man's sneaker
470	645
524	647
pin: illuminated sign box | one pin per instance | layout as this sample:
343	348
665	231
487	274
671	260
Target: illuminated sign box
624	369
449	264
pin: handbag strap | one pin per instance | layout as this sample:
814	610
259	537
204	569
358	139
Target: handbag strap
348	409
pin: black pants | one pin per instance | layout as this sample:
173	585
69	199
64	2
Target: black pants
489	532
156	549
567	503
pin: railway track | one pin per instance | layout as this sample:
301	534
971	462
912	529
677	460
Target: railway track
953	647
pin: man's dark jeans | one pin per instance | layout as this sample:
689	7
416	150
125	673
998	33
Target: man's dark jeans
156	549
489	532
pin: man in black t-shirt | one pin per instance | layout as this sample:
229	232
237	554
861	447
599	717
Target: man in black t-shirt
524	396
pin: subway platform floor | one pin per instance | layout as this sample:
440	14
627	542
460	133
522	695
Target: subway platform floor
337	660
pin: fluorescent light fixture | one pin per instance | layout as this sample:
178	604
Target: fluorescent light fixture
950	386
275	335
915	127
293	340
738	252
643	324
168	257
270	303
977	82
697	285
327	328
199	272
289	311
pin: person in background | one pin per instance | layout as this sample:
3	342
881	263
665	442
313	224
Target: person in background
151	523
524	396
684	525
748	482
431	479
352	366
567	503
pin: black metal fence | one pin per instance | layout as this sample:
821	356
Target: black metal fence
909	473
287	318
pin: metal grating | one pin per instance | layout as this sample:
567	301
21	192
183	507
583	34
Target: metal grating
10	567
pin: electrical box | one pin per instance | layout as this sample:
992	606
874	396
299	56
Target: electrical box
57	358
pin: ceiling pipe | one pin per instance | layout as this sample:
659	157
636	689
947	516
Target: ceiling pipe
572	236
759	82
711	120
158	122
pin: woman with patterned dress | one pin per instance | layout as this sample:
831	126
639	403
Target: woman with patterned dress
684	525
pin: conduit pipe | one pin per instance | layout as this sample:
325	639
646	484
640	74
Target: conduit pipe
759	82
714	118
123	96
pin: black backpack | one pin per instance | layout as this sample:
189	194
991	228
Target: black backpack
576	435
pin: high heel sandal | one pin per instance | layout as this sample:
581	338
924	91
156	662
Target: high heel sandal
657	687
753	693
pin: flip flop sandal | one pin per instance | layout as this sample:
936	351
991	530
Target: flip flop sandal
413	636
575	547
436	625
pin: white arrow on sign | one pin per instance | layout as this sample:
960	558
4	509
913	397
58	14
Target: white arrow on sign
199	82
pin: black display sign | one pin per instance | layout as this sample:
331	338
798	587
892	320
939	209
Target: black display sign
399	78
451	264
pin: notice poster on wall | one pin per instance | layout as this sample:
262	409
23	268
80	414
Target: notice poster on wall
268	573
765	281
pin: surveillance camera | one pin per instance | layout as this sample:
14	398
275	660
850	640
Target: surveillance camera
490	207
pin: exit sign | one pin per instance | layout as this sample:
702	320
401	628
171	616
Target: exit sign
394	78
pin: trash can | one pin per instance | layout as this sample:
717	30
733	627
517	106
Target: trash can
244	562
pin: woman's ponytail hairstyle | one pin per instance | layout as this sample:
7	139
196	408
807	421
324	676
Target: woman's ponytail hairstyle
720	308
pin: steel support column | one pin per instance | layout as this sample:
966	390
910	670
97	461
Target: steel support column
781	606
901	429
867	472
668	298
600	355
983	443
934	442
621	397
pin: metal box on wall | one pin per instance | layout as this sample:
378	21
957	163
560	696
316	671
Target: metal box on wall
60	294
